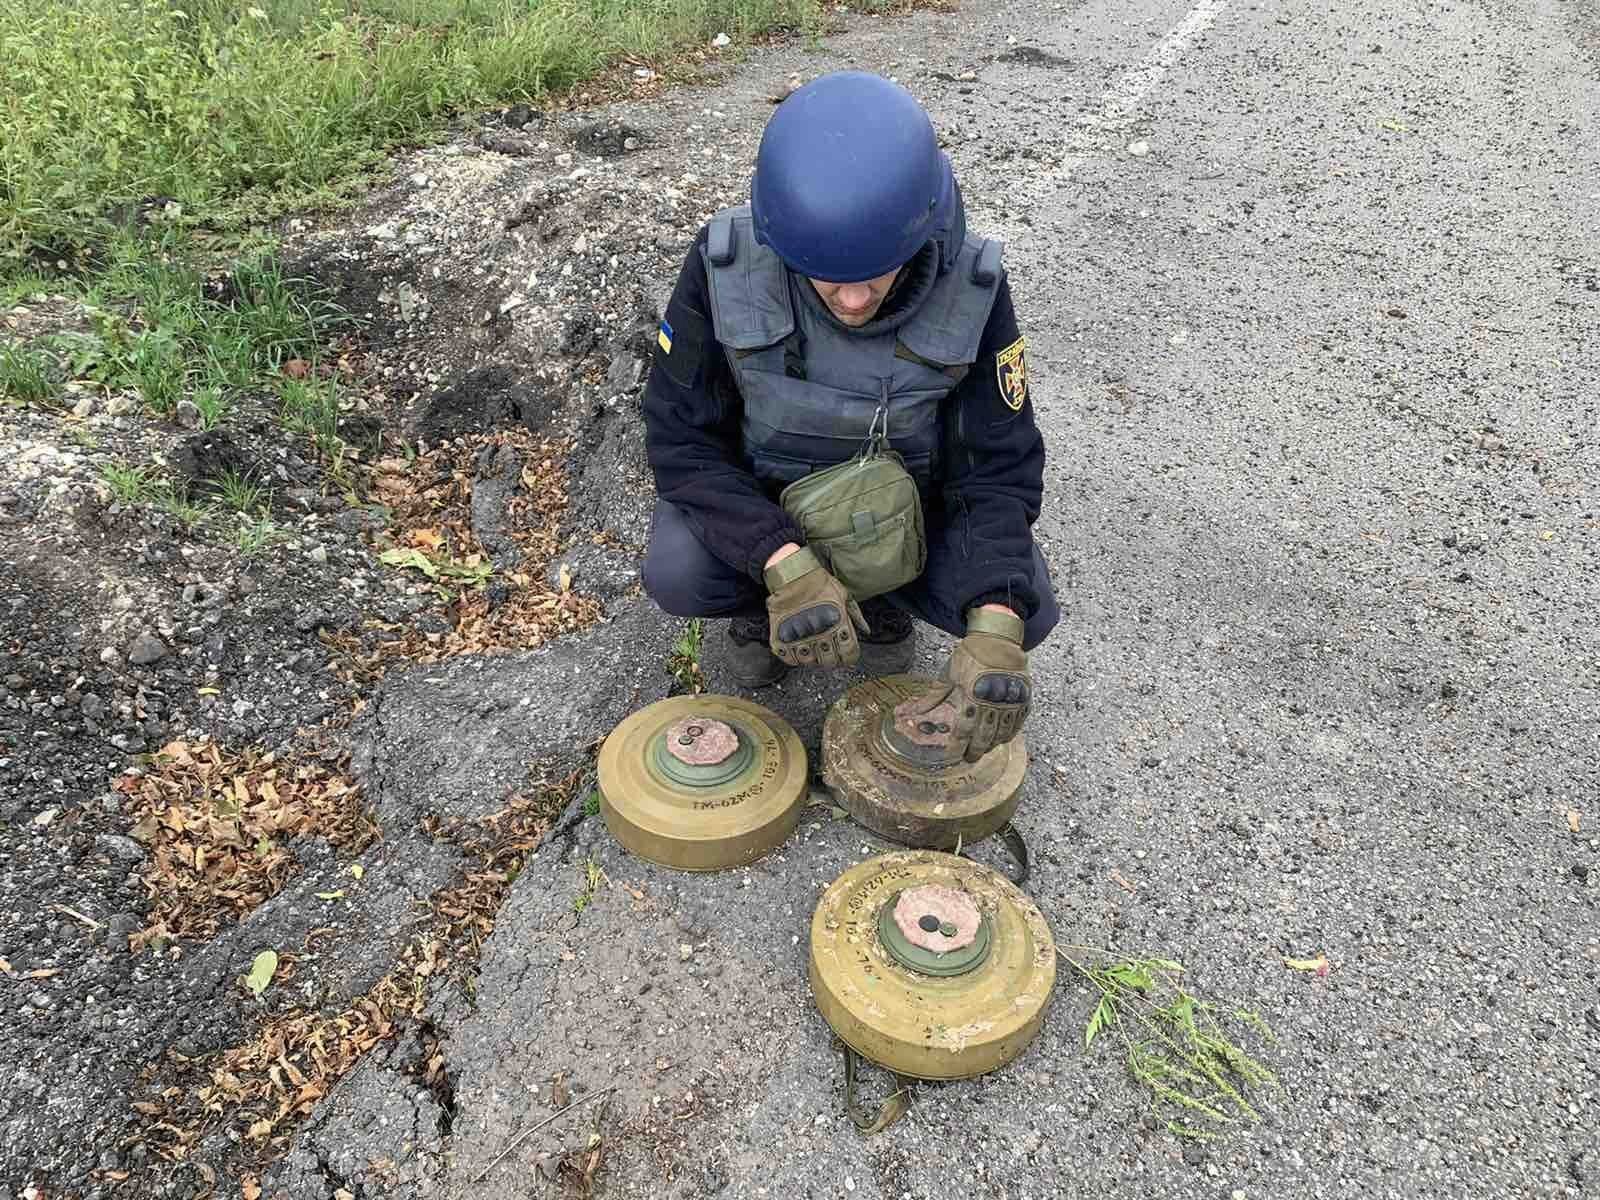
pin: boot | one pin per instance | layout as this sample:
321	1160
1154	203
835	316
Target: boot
892	644
748	653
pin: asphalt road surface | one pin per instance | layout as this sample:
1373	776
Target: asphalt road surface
1310	295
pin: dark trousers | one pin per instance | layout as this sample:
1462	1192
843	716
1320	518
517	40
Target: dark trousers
687	580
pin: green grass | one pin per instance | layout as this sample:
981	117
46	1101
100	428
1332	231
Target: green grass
131	485
21	286
240	494
254	538
311	406
213	405
174	498
27	376
156	328
202	110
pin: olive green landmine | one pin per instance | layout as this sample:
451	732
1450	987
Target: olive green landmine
891	776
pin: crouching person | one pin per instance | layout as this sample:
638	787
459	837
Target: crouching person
838	417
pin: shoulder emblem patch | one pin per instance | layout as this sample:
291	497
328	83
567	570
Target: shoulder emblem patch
1011	373
664	337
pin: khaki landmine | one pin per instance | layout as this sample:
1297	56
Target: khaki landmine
926	807
702	783
975	1018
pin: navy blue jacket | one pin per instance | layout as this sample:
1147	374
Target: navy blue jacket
979	518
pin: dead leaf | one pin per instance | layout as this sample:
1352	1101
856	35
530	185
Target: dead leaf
558	1093
249	1188
565	578
261	1130
1319	964
1574	820
44	974
430	538
296	368
1121	880
148	1108
5	966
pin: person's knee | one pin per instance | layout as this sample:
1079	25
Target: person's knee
666	582
681	575
668	592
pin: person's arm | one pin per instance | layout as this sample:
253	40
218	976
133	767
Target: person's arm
691	414
995	478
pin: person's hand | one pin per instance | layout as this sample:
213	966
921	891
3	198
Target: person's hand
986	683
813	619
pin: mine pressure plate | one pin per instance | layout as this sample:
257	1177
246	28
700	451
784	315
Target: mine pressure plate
894	775
702	783
930	964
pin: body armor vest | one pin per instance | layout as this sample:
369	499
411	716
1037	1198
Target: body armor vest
811	387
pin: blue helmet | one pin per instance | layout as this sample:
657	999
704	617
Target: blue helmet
850	182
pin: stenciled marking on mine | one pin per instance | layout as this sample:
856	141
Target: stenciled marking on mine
886	876
944	783
768	773
899	689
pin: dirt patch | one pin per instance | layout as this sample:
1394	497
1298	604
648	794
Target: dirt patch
482	399
262	1087
216	826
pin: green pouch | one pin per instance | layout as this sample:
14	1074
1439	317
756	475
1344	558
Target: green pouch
863	518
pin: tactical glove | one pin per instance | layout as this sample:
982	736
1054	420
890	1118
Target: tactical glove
813	619
988	685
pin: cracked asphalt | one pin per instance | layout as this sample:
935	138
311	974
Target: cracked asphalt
1310	298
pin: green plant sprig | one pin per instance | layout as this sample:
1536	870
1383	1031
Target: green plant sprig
1176	1047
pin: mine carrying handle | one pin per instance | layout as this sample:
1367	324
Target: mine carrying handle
1011	838
889	1112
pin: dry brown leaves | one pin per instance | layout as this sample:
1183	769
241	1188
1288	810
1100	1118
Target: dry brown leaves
263	1087
215	824
431	502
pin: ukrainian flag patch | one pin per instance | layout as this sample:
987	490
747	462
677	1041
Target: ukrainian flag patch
664	337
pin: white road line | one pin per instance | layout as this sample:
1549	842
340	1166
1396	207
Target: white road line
1118	102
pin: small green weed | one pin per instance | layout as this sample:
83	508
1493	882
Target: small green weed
276	317
311	406
684	662
239	493
156	367
591	803
592	875
211	404
174	498
28	376
130	485
1176	1048
255	538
